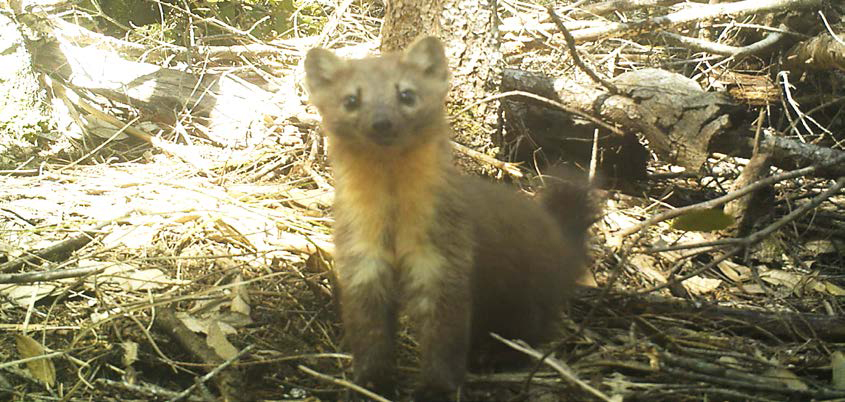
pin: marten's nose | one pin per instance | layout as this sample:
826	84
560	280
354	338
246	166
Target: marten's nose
383	131
382	126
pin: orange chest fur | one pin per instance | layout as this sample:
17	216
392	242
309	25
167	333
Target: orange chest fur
388	202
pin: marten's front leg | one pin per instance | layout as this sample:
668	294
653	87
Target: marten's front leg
441	302
369	311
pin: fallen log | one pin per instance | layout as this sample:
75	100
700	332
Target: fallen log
757	323
681	122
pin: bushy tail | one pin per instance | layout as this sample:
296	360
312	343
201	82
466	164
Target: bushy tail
567	197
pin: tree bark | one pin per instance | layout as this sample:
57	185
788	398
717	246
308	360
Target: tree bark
406	20
676	116
822	52
469	29
477	64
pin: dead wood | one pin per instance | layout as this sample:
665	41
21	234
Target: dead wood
229	105
143	390
611	6
476	61
682	123
557	365
56	252
745	210
787	153
822	52
762	46
676	116
30	277
767	325
724	375
229	380
406	20
672	213
696	12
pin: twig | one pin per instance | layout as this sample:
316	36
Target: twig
31	359
103	144
594	159
548	101
759	235
30	277
695	12
343	383
830	30
688	246
570	43
151	391
557	365
55	252
702	45
756	236
202	380
712	373
732	195
510	168
333	22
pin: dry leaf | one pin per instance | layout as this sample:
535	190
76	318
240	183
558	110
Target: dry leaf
144	280
217	341
41	369
782	278
799	282
312	199
186	218
822	246
646	264
698	285
240	299
787	378
833	289
128	277
201	325
837	365
130	353
22	295
192	323
230	234
752	289
734	271
133	237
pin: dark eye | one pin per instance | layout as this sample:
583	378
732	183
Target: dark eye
407	97
351	103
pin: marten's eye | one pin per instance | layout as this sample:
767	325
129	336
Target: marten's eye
408	97
351	103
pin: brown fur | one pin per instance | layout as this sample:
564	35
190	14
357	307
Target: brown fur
462	256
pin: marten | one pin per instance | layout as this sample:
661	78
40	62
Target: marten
461	256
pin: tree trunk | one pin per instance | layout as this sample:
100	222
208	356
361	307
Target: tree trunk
406	20
469	29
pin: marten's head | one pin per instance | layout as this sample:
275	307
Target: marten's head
393	101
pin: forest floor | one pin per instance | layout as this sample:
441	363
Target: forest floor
127	273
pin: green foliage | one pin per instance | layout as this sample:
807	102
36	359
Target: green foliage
706	220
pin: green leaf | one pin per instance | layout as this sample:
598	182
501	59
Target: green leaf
705	220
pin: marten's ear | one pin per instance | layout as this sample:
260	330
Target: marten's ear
428	55
321	67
